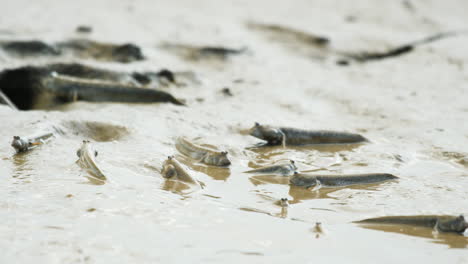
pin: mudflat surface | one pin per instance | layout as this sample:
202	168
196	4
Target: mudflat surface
413	108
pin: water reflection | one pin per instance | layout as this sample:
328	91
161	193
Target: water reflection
451	239
300	193
94	181
269	179
217	173
309	157
283	212
318	230
21	165
177	187
264	149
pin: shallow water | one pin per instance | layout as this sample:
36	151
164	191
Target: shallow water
412	109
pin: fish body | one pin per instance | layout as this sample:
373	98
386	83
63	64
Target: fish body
39	88
24	144
293	136
85	48
219	51
203	154
197	53
443	223
283	202
291	34
311	180
30	48
86	160
100	91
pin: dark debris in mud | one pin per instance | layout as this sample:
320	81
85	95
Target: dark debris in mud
227	92
84	29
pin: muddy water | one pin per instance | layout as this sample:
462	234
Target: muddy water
412	108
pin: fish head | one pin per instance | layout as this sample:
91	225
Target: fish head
19	144
458	225
220	159
168	170
270	134
307	181
127	53
293	164
283	202
86	147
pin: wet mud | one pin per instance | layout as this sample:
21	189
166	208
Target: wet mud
120	198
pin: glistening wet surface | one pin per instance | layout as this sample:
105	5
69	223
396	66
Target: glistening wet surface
412	109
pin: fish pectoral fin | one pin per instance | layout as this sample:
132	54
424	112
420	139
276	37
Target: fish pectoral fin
203	158
202	185
435	230
316	187
283	139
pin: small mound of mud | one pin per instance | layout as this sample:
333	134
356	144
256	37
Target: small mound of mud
97	131
460	158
